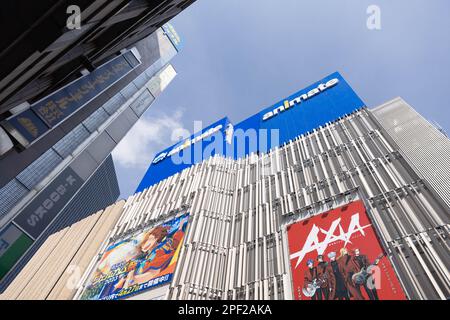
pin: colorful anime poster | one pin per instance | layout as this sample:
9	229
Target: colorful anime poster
337	256
139	263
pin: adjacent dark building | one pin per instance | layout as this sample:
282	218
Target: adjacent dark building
67	98
39	54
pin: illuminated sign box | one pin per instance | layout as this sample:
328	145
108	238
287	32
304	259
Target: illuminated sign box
171	33
25	127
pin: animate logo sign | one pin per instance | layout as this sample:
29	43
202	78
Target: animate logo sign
255	134
187	143
287	104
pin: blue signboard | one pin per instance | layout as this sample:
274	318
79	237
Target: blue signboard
67	100
195	149
322	102
52	110
169	30
27	124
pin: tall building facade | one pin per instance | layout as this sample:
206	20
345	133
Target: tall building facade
315	197
48	44
62	146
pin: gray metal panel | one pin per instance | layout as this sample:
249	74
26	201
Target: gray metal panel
101	147
141	80
154	68
120	126
130	115
114	103
129	90
84	165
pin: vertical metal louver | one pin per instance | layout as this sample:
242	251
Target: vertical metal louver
235	247
426	148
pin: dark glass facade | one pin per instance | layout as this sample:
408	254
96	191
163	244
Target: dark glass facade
40	182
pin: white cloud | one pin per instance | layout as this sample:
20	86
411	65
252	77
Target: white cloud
148	136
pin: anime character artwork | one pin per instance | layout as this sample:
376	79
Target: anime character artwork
138	263
337	256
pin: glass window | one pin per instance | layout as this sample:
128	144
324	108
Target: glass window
129	90
39	169
71	141
114	103
95	120
141	80
10	194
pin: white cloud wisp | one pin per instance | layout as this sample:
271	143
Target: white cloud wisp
147	137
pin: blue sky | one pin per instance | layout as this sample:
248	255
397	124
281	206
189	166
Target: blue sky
240	56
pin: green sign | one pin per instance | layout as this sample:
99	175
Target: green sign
13	244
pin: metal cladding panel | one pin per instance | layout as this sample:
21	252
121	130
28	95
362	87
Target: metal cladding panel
101	147
39	169
95	120
322	102
425	147
12	192
71	141
121	125
237	241
142	103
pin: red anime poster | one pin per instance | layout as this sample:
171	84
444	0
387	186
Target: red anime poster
337	256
